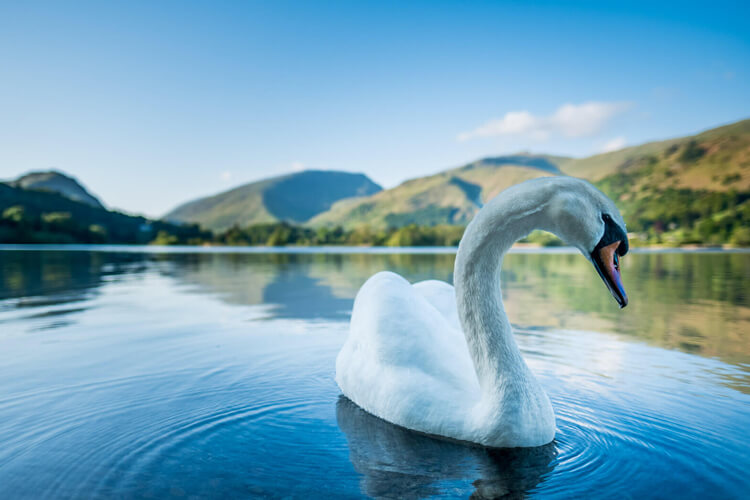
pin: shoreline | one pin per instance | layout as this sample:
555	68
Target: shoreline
219	249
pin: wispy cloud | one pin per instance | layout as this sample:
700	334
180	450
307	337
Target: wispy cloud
226	176
613	144
297	166
569	120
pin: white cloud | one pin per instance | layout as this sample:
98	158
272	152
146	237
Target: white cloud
297	166
613	144
226	176
569	120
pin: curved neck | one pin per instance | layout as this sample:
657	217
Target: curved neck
507	218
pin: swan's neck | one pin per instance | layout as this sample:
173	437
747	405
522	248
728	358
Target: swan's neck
506	219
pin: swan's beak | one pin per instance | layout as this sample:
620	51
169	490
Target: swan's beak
607	263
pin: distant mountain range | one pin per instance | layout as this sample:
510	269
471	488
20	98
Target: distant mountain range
294	198
693	189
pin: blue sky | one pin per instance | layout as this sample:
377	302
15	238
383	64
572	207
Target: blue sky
154	103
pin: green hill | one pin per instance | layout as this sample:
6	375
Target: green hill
682	191
43	216
56	182
294	198
687	190
715	160
449	197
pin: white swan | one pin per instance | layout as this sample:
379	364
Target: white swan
445	362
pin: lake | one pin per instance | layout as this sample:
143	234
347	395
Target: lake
153	372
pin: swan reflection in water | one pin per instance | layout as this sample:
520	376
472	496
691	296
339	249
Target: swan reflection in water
398	463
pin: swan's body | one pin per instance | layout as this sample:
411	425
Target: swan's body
443	361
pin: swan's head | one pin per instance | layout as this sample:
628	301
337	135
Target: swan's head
585	218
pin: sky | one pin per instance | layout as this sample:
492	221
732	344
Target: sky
151	104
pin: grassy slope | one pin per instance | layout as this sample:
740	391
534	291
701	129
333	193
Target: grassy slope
294	198
450	197
726	154
242	205
692	190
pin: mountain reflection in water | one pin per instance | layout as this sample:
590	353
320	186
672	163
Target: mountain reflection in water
693	302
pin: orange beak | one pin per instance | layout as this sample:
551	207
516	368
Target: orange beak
607	263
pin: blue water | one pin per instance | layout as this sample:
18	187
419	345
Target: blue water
139	374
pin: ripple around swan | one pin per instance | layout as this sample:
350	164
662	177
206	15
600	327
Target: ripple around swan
236	434
604	439
588	459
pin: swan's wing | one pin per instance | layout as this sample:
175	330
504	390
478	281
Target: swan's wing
403	361
394	326
442	296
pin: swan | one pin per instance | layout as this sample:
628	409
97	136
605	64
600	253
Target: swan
442	360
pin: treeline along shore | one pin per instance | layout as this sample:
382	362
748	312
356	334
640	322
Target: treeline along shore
670	217
19	227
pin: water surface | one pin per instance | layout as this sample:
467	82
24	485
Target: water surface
157	374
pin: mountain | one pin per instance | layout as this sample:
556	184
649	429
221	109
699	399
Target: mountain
714	160
44	216
691	190
56	182
449	197
294	198
645	180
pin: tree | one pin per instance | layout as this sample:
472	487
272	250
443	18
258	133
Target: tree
15	214
741	236
164	238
